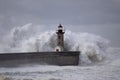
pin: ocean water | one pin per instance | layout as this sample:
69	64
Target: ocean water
109	69
98	61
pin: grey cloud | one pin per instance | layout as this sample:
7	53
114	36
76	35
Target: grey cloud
68	11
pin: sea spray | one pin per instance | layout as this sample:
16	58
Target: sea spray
23	39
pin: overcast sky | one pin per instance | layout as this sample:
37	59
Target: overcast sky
101	17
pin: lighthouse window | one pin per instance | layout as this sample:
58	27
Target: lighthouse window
59	36
58	42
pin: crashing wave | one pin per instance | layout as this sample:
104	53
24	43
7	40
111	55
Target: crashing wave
23	39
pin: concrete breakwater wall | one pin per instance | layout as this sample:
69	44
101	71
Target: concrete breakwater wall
52	58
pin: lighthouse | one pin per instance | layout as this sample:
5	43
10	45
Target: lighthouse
60	39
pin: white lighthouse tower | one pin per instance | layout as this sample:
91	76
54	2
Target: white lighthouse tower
60	39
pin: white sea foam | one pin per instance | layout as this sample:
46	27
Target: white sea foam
24	39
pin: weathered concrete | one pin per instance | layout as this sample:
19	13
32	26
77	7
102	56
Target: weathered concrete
52	58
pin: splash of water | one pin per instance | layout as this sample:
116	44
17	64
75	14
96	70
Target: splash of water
92	47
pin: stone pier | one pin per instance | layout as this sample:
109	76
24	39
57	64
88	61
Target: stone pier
50	58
